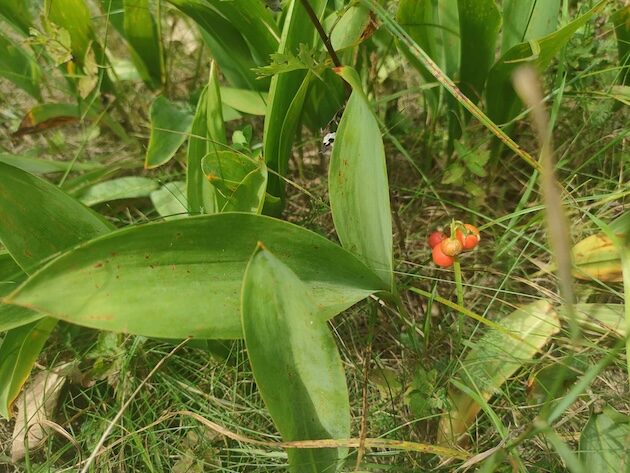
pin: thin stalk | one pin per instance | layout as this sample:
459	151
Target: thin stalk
459	289
320	30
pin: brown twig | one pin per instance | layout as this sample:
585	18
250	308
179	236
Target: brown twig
320	29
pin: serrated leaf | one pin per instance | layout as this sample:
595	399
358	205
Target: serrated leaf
301	379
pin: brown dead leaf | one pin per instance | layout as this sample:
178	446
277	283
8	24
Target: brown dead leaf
35	407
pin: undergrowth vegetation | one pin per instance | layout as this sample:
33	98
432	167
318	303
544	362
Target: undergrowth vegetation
314	235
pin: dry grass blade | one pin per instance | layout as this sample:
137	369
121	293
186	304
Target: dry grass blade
528	87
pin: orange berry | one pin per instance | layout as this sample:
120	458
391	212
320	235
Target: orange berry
451	247
440	258
470	238
436	238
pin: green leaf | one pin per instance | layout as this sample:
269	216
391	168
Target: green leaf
208	138
241	36
142	34
621	21
301	377
493	359
44	166
11	276
38	220
503	103
479	23
524	20
170	200
239	181
600	318
298	30
246	101
18	352
74	16
358	187
19	67
17	14
170	126
348	30
182	277
604	442
130	187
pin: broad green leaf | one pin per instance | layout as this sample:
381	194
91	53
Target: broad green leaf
621	21
604	442
479	23
295	362
502	101
246	101
74	16
170	126
170	200
115	12
348	31
208	138
11	275
17	14
421	20
38	220
239	181
528	19
241	36
182	277
298	30
358	187
142	34
493	359
130	187
18	352
44	166
19	67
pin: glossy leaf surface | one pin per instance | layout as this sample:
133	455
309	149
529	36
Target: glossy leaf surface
358	186
182	278
301	379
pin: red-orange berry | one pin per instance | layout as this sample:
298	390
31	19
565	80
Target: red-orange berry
436	238
451	247
469	238
440	258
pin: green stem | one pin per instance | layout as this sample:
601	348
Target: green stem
460	291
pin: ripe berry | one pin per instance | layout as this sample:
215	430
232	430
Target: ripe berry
436	238
440	258
451	247
470	239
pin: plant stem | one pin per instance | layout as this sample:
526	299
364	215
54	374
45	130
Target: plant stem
460	292
320	29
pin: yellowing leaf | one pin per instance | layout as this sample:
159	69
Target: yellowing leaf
596	257
494	358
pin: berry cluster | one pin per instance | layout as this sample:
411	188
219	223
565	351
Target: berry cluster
445	249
